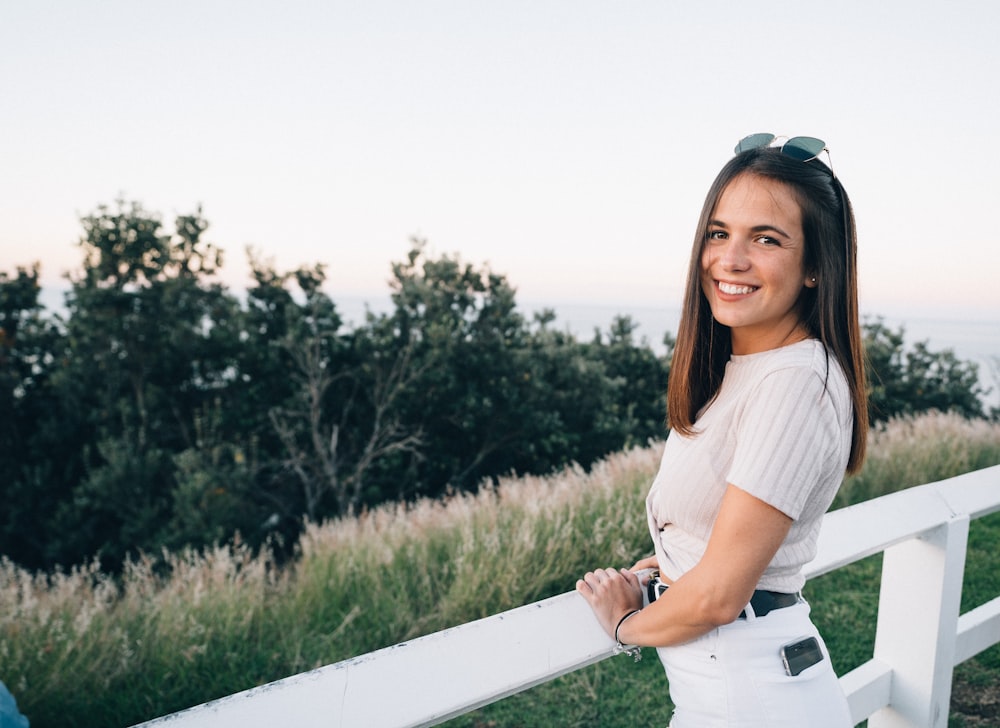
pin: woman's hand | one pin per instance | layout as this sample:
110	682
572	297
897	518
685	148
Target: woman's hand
649	562
645	565
611	593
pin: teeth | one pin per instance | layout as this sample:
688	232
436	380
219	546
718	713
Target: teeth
735	290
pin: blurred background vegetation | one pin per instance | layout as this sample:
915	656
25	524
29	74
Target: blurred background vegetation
161	410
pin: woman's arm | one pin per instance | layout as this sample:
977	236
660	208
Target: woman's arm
745	537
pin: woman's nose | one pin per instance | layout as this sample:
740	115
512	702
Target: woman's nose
734	256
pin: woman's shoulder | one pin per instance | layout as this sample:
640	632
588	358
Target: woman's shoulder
805	354
803	361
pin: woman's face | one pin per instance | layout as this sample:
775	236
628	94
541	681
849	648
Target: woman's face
752	269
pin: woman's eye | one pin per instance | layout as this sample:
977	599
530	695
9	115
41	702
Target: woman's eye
717	235
768	240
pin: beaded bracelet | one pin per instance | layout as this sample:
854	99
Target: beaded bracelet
635	652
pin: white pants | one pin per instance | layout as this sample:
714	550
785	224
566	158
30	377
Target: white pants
733	677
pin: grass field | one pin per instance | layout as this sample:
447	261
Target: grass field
83	649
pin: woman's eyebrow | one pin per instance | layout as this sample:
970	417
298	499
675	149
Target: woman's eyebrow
755	229
769	228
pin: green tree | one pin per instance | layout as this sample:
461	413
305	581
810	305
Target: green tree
641	377
341	418
906	381
215	493
147	348
495	395
31	437
466	339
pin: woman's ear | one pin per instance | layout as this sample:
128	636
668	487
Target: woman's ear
811	281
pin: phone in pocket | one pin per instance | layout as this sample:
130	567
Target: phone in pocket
801	654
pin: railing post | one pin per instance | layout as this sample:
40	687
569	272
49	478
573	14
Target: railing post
919	604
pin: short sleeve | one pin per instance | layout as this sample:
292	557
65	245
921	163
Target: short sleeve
786	435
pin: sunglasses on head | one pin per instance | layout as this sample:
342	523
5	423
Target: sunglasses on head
802	148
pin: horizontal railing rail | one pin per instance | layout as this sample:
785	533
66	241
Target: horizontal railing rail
920	635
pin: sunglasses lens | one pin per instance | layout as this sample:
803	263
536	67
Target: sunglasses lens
803	148
754	141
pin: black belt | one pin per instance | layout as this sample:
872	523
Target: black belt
762	601
765	601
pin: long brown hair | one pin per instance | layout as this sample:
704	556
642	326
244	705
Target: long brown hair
829	311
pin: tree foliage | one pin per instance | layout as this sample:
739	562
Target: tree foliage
905	381
162	410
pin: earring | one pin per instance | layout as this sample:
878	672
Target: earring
813	279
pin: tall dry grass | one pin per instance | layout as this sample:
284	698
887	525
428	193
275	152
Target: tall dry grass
81	648
401	571
910	451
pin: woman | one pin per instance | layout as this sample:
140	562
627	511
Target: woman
767	410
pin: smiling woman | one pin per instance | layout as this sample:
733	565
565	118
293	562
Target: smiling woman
767	408
753	268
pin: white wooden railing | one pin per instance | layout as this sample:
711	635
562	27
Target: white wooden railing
920	635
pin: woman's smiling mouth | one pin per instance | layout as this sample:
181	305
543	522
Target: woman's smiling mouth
735	290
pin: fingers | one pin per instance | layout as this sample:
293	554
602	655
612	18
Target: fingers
599	576
598	586
614	584
588	583
587	587
650	562
630	577
610	593
604	579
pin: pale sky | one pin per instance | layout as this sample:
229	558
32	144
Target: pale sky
568	144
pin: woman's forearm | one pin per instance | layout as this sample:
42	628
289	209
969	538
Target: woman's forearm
683	613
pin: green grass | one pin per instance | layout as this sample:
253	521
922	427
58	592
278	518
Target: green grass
81	649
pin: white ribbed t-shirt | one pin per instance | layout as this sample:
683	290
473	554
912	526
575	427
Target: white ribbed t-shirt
779	429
